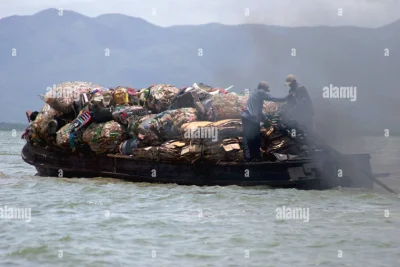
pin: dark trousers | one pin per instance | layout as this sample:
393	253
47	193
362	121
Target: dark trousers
251	139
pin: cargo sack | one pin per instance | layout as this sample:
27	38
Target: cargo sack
124	114
231	128
167	124
101	114
190	98
62	97
160	97
42	120
225	106
133	97
133	126
104	137
31	135
166	152
170	151
108	99
63	136
79	104
127	146
225	150
210	133
191	132
54	125
146	131
121	96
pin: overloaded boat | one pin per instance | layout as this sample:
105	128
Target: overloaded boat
317	172
81	132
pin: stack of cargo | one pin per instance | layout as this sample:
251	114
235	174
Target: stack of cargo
158	123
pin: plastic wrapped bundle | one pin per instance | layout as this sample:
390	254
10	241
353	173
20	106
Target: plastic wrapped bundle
226	106
133	126
160	97
127	146
167	124
63	136
43	119
104	137
62	96
243	101
145	131
125	114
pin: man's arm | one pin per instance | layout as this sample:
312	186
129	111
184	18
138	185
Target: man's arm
267	97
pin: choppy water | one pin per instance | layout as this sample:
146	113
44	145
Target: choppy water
107	222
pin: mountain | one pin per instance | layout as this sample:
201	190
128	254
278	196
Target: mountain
52	49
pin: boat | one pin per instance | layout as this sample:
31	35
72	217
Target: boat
318	171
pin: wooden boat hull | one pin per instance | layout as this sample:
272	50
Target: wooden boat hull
310	173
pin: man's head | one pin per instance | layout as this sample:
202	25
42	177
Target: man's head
290	80
33	115
263	86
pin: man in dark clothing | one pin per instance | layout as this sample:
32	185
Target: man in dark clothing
299	106
251	118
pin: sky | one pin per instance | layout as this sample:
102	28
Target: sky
363	13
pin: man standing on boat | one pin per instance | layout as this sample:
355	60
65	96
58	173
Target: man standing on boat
251	118
299	106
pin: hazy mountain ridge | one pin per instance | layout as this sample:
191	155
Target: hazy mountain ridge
52	49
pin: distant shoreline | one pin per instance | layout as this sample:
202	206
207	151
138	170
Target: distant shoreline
4	126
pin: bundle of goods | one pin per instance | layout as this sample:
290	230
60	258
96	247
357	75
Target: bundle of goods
226	106
144	130
192	133
168	151
126	114
63	95
192	97
126	147
225	150
195	123
104	137
158	98
63	136
205	132
42	120
165	126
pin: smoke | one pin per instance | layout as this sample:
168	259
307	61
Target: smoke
337	121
